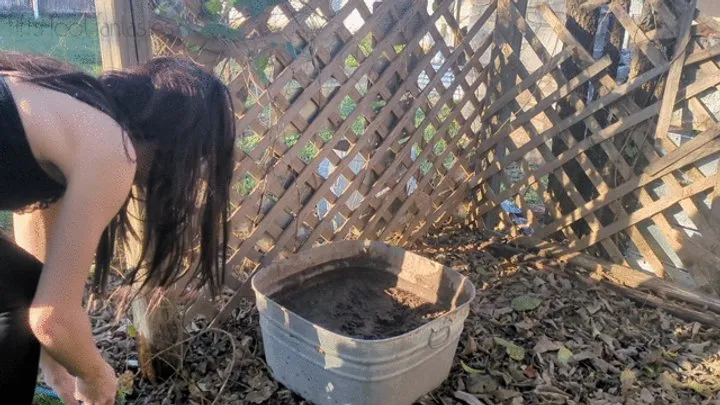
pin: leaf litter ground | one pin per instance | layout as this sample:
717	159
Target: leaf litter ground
532	337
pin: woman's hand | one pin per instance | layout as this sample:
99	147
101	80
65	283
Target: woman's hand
97	389
58	378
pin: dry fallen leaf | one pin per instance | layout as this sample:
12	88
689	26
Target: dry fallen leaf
525	303
481	384
544	345
647	396
471	346
514	351
601	365
627	379
526	324
594	308
564	355
261	395
530	372
695	330
468	398
584	355
469	369
503	394
698	348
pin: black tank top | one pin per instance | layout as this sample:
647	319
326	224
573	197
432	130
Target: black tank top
24	184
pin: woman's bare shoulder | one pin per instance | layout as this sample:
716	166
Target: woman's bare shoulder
68	133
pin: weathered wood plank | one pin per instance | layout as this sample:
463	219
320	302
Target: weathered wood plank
554	63
691	146
324	189
715	205
638	36
344	90
645	212
125	32
672	82
701	56
571	120
562	92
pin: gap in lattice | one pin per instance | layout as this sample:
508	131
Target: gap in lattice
316	20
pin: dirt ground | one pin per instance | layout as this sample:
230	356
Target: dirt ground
532	337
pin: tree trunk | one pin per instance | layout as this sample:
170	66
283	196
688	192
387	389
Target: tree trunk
581	23
583	26
649	92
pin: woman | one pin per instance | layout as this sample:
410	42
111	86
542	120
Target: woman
72	147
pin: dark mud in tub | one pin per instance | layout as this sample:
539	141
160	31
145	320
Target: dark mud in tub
361	302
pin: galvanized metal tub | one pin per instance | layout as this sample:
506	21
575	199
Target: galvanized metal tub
325	367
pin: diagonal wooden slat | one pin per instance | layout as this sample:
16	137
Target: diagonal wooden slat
531	79
311	130
435	123
647	212
569	187
644	198
572	119
625	115
562	92
590	123
278	215
672	82
638	36
328	183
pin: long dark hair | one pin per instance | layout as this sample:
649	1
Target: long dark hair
186	116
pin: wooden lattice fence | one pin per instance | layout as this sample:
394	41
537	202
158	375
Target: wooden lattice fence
357	120
380	120
625	169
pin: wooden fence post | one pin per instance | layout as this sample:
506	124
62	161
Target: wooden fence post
125	40
124	32
156	317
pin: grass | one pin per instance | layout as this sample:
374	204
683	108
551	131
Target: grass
42	399
6	221
70	38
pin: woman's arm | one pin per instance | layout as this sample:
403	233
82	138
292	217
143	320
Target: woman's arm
31	233
88	148
56	314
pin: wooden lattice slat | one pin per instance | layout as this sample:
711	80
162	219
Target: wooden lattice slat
378	121
380	103
605	214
